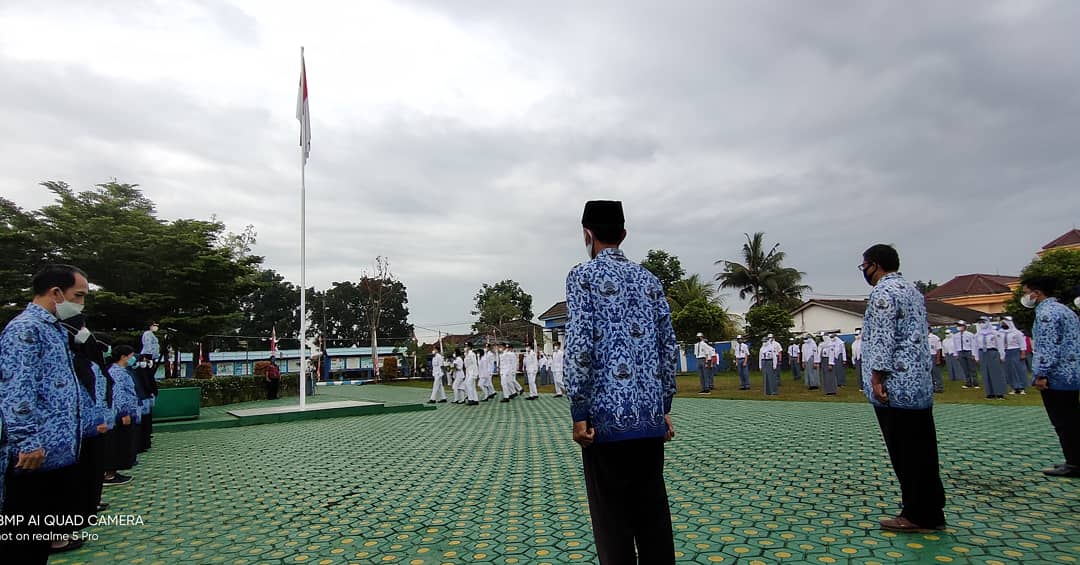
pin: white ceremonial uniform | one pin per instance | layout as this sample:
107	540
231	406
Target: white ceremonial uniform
809	357
487	368
532	365
437	390
557	371
459	380
472	373
507	371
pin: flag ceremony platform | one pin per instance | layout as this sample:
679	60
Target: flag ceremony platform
356	401
749	483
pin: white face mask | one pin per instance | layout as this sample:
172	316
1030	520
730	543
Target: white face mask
153	328
67	309
82	336
1076	301
1027	301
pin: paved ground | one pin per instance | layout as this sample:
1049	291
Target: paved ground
750	482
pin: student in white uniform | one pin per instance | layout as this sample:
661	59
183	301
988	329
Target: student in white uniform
828	354
1015	356
472	375
809	360
557	370
507	372
532	366
438	393
769	361
856	356
841	361
742	362
460	397
964	345
488	366
936	360
794	354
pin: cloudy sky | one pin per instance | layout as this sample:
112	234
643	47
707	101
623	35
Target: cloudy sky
462	138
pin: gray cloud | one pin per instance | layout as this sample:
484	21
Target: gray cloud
829	126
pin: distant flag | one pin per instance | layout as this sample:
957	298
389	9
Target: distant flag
273	342
302	112
200	360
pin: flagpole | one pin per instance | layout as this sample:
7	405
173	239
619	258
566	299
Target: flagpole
303	259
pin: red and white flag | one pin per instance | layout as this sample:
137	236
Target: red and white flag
302	112
273	342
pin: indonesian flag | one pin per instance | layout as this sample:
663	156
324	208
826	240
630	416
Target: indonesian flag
200	359
273	342
302	112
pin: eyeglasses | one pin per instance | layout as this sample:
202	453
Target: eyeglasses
863	267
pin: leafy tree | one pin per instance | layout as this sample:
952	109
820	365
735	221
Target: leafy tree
1063	264
925	287
708	318
766	319
762	275
177	273
665	266
500	303
274	304
22	254
692	289
349	310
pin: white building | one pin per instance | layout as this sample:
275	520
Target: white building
818	315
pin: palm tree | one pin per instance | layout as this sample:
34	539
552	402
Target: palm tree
762	276
690	289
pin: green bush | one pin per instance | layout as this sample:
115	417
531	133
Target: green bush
219	391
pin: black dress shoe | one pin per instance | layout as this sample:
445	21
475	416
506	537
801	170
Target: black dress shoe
442	401
505	400
531	397
103	507
71	545
431	402
1063	471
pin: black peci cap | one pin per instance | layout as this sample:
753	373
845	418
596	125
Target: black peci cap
603	213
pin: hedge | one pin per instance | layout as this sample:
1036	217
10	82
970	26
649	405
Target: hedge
230	390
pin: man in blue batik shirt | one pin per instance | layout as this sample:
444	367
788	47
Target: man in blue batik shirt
897	379
620	377
1056	367
39	399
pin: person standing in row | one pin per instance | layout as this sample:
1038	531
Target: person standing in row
273	379
948	349
702	353
809	354
438	392
769	361
991	359
557	366
964	344
827	356
1015	356
507	373
856	356
531	365
620	375
742	362
1056	367
840	350
458	386
794	353
897	381
121	450
39	401
936	360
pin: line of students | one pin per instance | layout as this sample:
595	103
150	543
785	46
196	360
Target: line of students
472	368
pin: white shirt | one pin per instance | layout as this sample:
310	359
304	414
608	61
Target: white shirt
1014	339
557	360
793	352
935	345
459	368
841	350
531	362
809	350
856	349
947	345
544	362
508	364
742	351
436	365
964	342
472	363
487	363
702	350
770	351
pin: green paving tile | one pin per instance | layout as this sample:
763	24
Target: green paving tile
749	482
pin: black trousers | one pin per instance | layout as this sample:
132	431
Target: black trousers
90	471
628	502
272	388
39	494
911	438
1063	408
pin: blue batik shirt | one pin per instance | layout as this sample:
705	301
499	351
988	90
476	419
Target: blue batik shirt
894	343
95	410
621	352
1056	344
125	401
39	394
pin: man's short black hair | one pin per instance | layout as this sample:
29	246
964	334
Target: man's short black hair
611	234
1045	284
52	276
884	256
